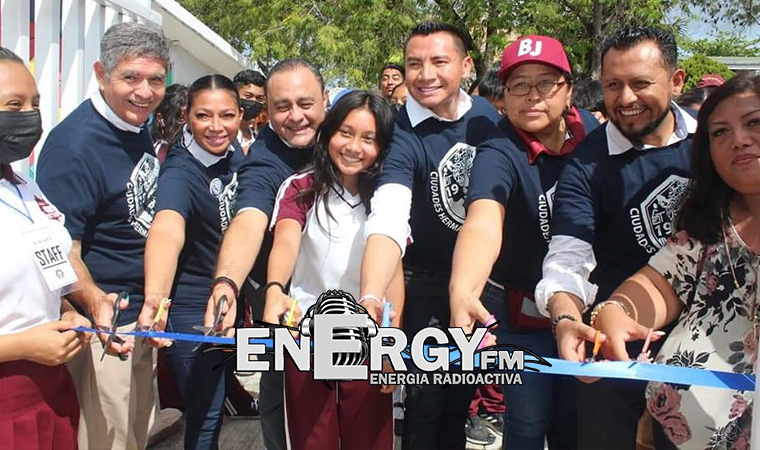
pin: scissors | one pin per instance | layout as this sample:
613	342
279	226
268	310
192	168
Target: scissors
112	336
597	347
161	312
386	322
291	320
644	355
491	319
207	331
165	303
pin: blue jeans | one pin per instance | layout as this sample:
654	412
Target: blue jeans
544	405
203	390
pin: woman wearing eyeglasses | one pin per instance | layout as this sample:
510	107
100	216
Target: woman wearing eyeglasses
500	249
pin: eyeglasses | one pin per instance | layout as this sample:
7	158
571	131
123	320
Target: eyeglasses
544	87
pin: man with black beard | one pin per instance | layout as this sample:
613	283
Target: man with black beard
613	209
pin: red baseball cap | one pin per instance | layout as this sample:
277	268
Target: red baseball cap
534	48
710	80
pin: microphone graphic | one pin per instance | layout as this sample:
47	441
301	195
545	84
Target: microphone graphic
343	303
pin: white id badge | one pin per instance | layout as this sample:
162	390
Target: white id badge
51	259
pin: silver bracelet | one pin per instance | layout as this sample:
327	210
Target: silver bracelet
369	297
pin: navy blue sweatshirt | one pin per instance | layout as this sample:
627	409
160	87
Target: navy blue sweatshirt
104	180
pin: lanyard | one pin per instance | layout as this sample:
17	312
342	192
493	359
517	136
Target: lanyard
28	215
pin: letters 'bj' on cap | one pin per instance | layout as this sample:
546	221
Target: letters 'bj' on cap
534	48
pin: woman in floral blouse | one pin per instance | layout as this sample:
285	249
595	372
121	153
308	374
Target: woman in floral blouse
705	280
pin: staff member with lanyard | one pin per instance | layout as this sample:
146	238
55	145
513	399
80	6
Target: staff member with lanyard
38	404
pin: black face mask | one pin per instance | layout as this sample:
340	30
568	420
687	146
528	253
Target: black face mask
396	107
251	108
19	133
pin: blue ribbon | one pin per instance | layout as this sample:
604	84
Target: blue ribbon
163	335
604	369
651	372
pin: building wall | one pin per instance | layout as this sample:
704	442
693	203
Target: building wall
60	40
186	68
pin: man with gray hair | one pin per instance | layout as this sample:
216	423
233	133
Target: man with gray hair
99	168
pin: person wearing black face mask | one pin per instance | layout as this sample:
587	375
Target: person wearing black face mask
250	87
19	132
398	97
251	109
35	323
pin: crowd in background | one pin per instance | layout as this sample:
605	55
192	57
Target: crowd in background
617	213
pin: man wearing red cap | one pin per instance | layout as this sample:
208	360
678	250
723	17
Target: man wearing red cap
499	252
422	189
614	205
710	80
694	97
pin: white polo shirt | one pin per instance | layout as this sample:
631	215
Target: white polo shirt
332	245
25	300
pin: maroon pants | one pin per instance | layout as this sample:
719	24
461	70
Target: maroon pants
353	415
38	407
489	399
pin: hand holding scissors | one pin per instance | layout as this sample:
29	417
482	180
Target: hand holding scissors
216	329
153	318
113	343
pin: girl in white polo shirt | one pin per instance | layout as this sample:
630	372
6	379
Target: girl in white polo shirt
38	403
318	245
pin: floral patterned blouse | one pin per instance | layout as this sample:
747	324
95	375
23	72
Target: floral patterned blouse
714	332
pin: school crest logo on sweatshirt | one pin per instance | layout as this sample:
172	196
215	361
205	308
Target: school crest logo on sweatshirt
652	221
545	207
141	194
227	198
449	185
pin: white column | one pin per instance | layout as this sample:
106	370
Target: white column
15	29
15	36
73	69
112	17
94	25
47	20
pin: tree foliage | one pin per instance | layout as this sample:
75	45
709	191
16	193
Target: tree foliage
488	24
352	39
698	65
722	44
583	25
740	13
349	39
